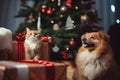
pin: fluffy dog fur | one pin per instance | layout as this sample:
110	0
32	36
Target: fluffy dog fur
94	59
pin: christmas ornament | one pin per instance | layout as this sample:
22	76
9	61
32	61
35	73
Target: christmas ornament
76	7
50	39
52	21
49	11
55	49
39	21
68	3
65	54
72	43
44	39
30	18
69	24
84	18
43	8
59	2
55	27
63	9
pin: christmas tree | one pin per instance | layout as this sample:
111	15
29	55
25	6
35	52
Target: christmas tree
62	20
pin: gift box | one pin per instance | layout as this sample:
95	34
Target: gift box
18	52
4	54
32	70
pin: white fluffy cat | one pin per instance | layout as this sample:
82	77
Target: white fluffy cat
32	44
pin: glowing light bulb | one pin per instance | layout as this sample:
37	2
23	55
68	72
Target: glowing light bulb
118	21
113	8
52	21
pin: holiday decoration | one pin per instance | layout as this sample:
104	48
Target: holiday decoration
84	18
69	24
55	49
21	36
50	39
61	20
59	2
19	52
43	8
72	43
63	9
30	18
39	21
5	39
68	3
55	27
49	11
65	54
30	70
4	54
44	39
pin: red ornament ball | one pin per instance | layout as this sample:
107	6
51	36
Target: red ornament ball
44	39
43	8
65	55
49	11
72	43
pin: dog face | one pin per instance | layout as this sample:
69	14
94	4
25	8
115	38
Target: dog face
93	39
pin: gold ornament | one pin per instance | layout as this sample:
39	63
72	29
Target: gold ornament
55	27
84	18
63	9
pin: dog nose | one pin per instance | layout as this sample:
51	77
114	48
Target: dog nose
84	40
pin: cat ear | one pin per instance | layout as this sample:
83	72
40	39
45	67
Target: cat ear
27	29
40	30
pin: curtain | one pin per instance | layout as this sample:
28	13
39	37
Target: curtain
104	12
9	9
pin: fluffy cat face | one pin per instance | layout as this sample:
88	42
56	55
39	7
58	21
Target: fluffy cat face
33	34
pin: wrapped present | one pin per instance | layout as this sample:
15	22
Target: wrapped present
32	70
19	53
4	54
5	43
18	50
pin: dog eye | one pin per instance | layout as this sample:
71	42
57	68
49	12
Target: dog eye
92	37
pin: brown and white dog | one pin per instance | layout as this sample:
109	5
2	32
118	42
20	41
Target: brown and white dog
95	59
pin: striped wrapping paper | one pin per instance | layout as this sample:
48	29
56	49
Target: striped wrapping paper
30	70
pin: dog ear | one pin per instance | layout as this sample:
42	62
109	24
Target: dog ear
104	36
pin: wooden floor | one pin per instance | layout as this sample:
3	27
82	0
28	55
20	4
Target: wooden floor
70	69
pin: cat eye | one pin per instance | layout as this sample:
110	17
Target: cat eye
35	33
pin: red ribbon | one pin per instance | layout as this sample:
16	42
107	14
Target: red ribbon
45	63
50	68
20	51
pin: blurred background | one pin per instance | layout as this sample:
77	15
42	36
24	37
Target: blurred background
105	11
